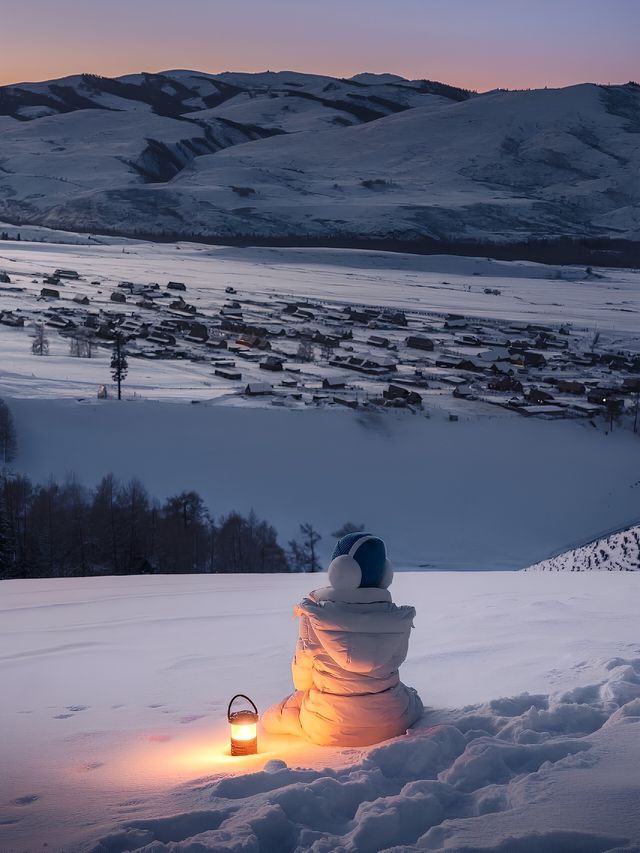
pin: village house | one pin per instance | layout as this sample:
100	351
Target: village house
455	321
419	342
255	389
394	392
504	383
8	318
273	363
197	333
334	383
182	308
568	386
66	274
393	318
378	341
538	396
362	364
228	373
464	392
253	342
162	338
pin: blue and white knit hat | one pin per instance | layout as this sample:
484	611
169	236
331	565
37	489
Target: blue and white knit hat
360	560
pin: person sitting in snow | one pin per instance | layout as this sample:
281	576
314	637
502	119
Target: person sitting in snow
352	640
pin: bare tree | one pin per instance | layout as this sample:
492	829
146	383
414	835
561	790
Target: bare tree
306	351
40	344
81	346
303	554
326	352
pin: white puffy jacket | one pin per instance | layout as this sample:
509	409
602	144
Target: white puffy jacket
345	669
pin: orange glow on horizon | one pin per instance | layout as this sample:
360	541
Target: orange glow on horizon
496	43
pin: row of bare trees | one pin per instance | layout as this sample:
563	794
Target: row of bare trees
64	529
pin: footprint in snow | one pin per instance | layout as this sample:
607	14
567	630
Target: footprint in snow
190	718
156	705
75	708
93	765
62	716
26	800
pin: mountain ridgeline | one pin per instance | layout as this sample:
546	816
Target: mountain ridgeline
290	158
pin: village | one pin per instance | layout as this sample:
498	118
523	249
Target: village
328	352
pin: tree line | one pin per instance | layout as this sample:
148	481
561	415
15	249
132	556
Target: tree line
67	530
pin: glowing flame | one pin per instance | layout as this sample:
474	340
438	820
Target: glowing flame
244	731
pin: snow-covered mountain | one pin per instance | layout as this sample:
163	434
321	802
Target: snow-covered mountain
286	154
619	552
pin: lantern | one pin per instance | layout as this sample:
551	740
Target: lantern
244	728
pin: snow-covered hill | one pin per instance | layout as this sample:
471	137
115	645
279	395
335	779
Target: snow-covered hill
619	552
279	154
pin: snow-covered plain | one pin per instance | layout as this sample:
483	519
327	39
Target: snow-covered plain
114	731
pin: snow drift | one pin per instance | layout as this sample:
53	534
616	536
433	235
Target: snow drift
504	776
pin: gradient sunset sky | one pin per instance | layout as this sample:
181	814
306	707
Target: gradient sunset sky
479	44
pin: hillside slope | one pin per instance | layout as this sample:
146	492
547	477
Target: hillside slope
619	552
278	155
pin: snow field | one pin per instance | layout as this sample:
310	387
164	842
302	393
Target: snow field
116	692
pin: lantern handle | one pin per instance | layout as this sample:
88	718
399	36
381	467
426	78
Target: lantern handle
241	696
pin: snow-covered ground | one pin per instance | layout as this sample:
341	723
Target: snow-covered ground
114	731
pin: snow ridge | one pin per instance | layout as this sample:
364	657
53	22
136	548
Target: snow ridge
494	768
619	552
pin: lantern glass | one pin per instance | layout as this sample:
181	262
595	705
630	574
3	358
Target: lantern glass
244	731
243	728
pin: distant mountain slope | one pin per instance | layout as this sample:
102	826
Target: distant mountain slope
283	154
619	552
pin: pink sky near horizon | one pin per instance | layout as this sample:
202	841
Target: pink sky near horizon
478	44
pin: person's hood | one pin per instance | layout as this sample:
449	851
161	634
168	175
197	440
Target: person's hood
359	637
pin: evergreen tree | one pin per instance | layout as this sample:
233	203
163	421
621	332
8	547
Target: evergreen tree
8	443
7	544
119	364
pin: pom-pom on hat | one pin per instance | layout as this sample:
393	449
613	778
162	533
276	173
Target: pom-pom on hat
360	560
